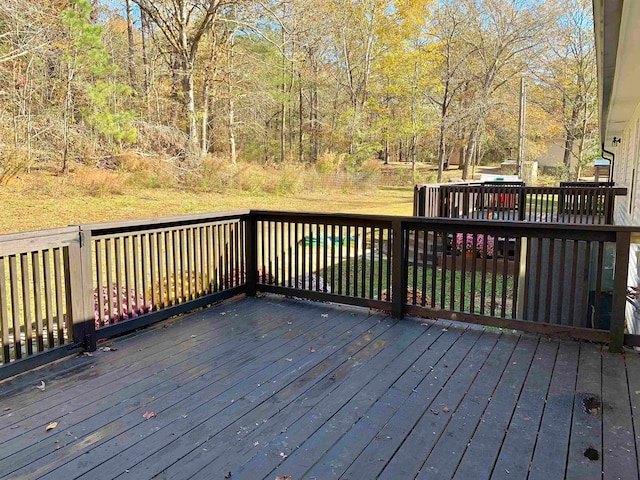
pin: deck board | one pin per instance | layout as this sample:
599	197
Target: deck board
443	459
552	444
485	443
620	456
517	447
271	386
586	427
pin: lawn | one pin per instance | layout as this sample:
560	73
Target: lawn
30	207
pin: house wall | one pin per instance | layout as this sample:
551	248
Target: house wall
626	174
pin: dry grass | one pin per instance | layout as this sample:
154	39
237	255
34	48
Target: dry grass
44	199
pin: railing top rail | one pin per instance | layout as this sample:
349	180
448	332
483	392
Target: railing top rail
353	219
588	184
23	242
444	223
588	187
136	225
618	191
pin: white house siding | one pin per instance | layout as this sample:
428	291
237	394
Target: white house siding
627	174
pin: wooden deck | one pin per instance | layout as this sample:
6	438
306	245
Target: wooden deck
261	387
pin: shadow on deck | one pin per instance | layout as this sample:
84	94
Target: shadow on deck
272	386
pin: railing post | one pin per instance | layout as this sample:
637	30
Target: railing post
420	201
441	199
522	205
623	244
609	206
79	283
252	255
398	280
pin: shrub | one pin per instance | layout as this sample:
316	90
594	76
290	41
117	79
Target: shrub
99	183
110	296
330	162
13	162
466	240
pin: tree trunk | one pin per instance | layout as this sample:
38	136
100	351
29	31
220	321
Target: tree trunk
232	135
385	152
68	103
570	133
313	114
231	106
583	135
283	109
144	21
204	136
441	150
190	107
300	120
132	49
468	157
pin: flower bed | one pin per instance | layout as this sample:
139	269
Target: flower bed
465	242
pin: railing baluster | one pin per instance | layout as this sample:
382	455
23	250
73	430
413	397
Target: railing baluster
561	299
100	288
319	243
495	273
4	314
598	292
573	309
154	272
549	280
128	281
60	308
48	296
37	297
585	285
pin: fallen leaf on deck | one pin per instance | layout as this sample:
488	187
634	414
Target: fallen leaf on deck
149	415
434	411
311	349
223	313
637	392
6	409
51	426
227	476
283	477
283	455
87	354
42	386
108	349
445	409
445	329
424	324
325	315
289	359
332	376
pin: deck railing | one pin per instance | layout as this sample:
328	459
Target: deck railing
570	203
62	290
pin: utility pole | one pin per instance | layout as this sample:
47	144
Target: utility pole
522	126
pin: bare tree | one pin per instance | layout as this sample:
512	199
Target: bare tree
501	33
183	23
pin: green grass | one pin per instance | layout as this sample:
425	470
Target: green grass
424	280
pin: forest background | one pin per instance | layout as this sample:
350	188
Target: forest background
124	108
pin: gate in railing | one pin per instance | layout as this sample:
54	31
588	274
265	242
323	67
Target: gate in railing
61	290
